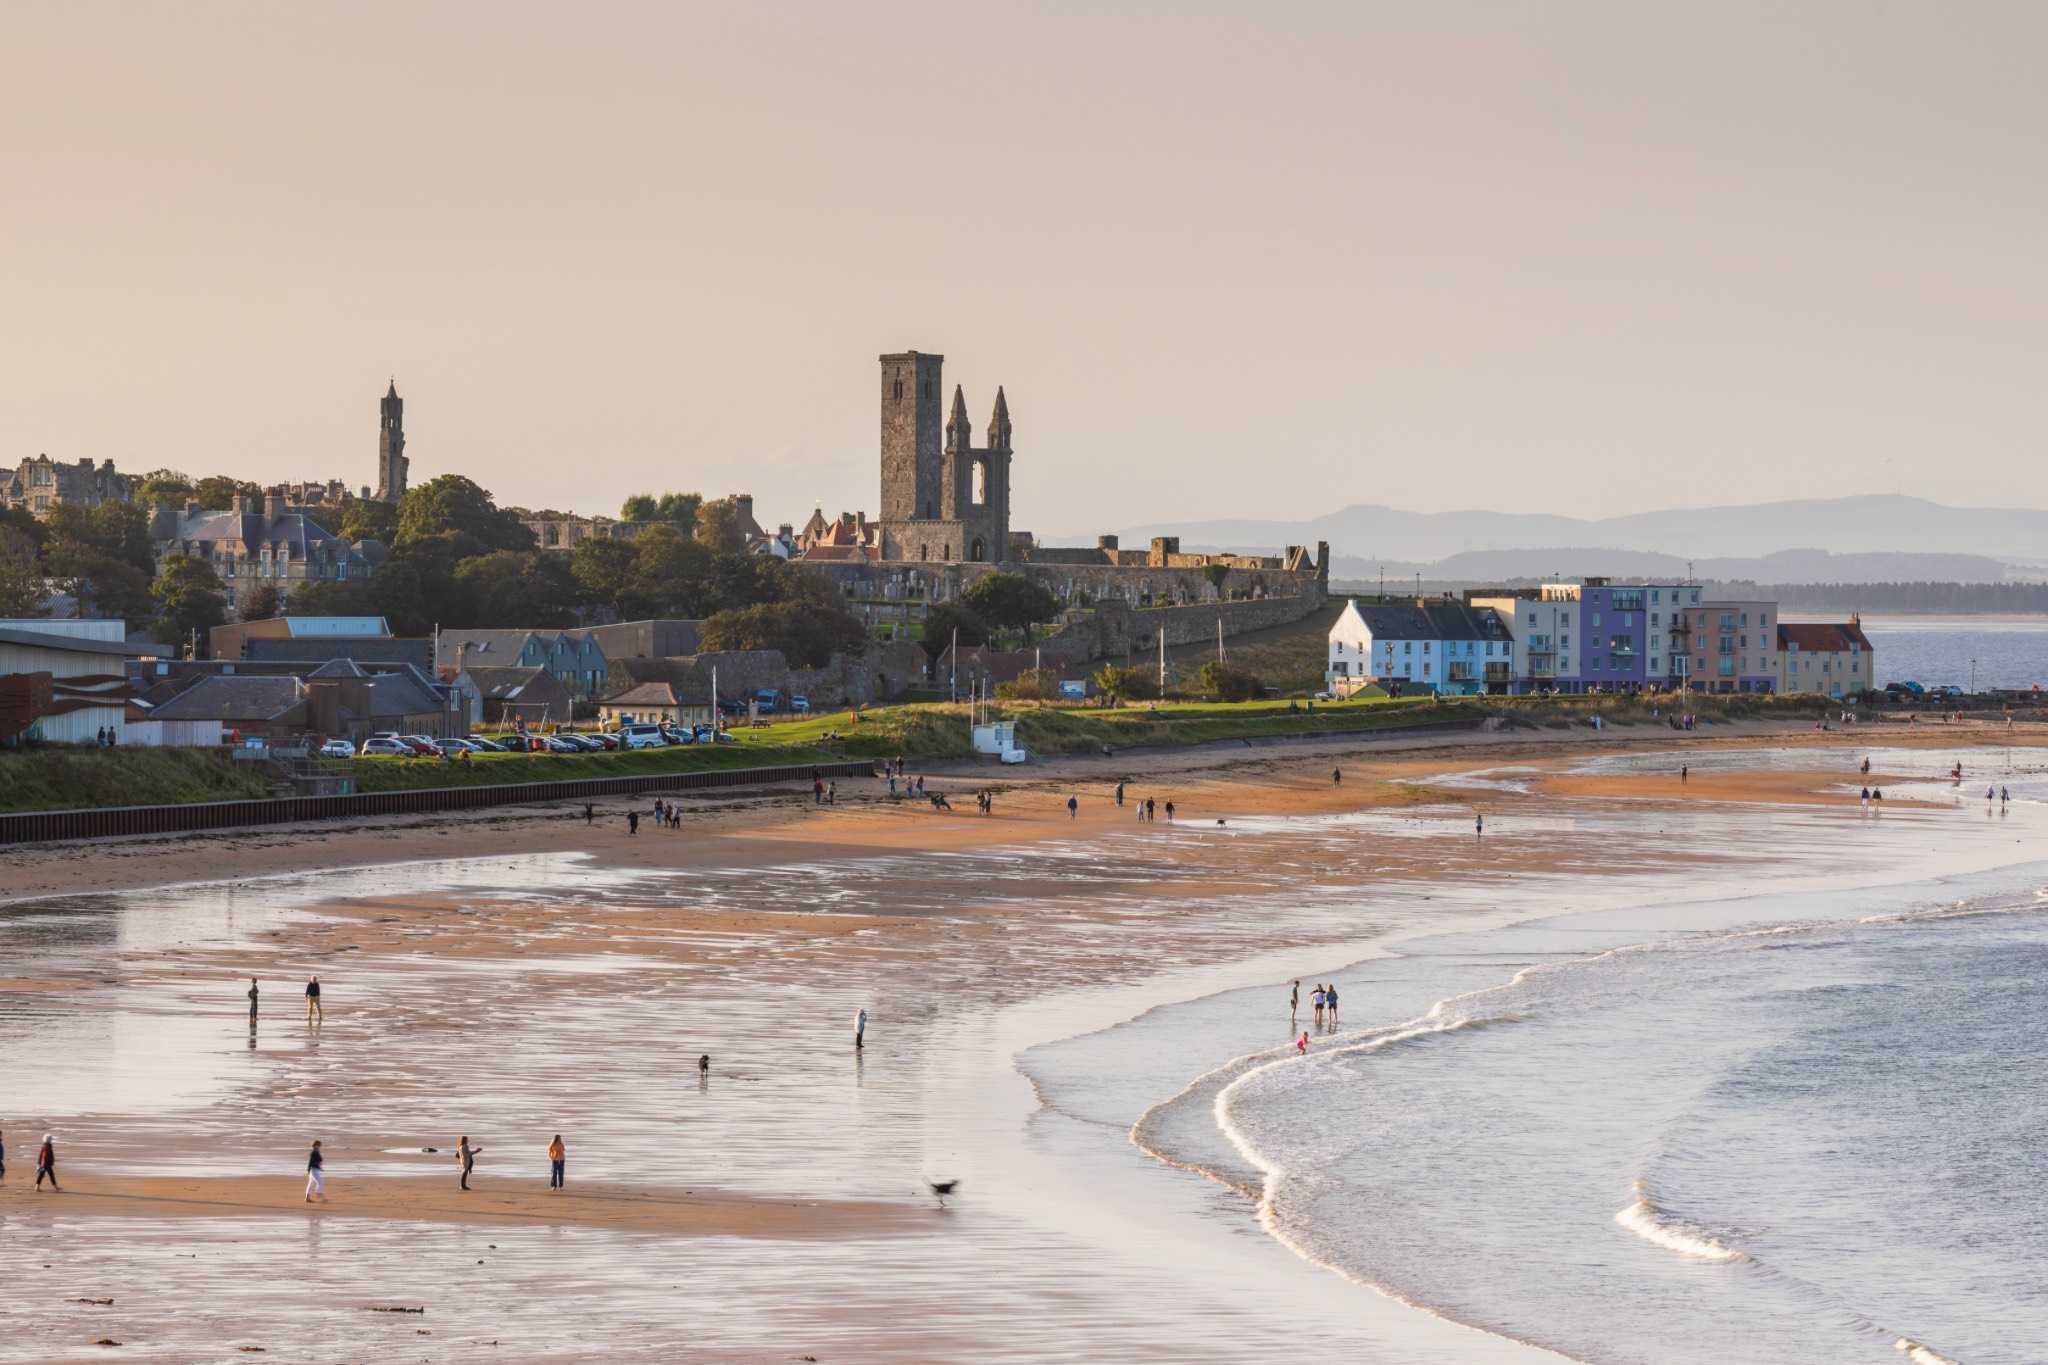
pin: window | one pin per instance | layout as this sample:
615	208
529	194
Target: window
896	379
980	493
1407	646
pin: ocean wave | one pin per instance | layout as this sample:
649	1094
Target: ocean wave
1646	1220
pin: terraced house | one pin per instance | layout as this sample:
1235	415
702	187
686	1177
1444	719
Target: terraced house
1831	658
574	657
1428	644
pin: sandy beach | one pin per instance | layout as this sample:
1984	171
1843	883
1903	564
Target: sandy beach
508	975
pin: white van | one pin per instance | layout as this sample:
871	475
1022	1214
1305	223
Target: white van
640	736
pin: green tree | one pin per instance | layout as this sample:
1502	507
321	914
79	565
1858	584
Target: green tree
262	603
367	519
453	508
603	570
164	488
807	634
23	523
641	507
1228	682
1009	601
1218	575
117	530
189	599
943	619
680	510
1125	684
398	593
330	597
506	589
670	575
719	529
21	576
217	492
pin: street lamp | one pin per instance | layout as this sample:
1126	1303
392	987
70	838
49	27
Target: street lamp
1973	677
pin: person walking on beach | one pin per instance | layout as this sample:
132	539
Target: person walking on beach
1294	1001
558	1157
831	794
1316	1004
1169	812
1336	777
3	1156
860	1028
314	1014
465	1157
1684	771
46	1165
1479	822
252	1002
1073	808
1330	999
1866	798
589	812
1119	795
632	822
316	1178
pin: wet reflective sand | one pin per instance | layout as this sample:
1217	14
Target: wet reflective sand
512	997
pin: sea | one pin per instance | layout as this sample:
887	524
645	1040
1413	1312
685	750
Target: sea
1997	651
1795	1117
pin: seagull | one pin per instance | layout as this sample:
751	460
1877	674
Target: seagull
942	1188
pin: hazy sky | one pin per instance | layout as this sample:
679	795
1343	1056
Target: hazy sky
1252	259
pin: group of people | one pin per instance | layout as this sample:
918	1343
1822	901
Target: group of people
314	1014
665	814
1322	1000
109	737
46	1162
823	793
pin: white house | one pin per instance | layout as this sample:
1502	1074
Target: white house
1436	643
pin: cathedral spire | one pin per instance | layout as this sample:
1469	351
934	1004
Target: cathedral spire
959	431
999	424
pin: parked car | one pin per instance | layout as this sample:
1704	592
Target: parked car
672	735
392	746
641	735
562	744
768	701
708	734
800	705
458	746
421	745
589	744
337	748
488	746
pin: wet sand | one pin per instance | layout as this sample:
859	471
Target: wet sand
517	974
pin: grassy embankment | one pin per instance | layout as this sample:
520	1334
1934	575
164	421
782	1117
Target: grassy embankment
75	779
54	779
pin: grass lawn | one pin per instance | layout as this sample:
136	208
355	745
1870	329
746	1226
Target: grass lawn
81	779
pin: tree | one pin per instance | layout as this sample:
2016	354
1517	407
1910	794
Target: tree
1228	682
1009	601
188	593
1125	684
117	530
669	574
164	488
719	529
453	507
745	580
603	570
261	604
367	519
217	492
807	634
398	593
641	507
507	589
103	557
21	576
680	510
1218	575
942	620
330	597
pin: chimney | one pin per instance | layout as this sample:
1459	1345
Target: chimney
86	464
1105	542
273	504
191	507
744	503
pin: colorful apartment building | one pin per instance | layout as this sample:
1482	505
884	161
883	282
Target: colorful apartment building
1595	635
1734	646
1424	644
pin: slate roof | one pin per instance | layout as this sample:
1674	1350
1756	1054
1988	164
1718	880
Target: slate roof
1447	620
232	698
505	684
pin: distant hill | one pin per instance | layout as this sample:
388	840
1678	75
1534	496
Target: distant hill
1876	523
1785	566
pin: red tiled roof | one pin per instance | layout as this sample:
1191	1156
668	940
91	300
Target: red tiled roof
1822	637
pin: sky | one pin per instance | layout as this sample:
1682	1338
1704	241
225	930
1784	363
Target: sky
1227	259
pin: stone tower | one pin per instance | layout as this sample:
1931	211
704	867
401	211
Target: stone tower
913	458
391	461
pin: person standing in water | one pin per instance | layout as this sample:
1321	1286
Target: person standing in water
860	1028
1294	1001
314	1014
558	1157
465	1157
1301	1046
252	1002
316	1176
1330	999
1316	1004
1479	822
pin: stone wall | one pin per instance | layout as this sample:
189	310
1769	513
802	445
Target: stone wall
1084	584
884	671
